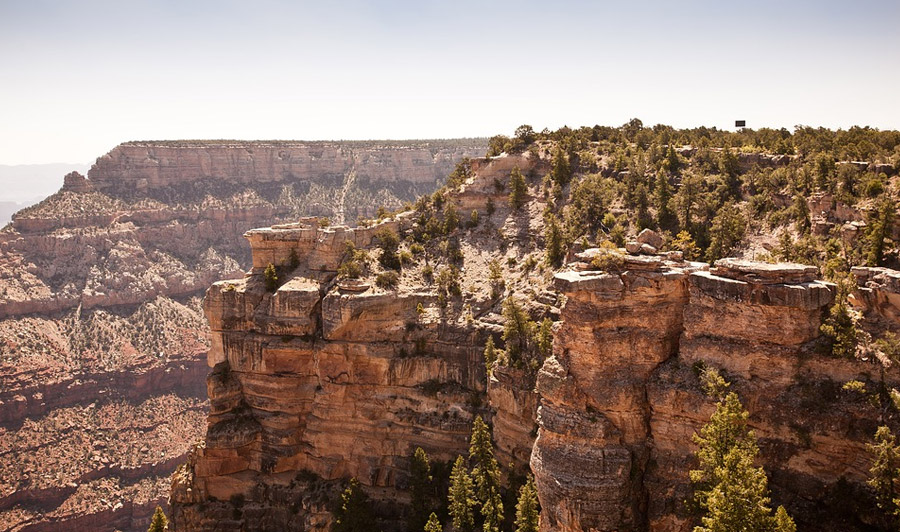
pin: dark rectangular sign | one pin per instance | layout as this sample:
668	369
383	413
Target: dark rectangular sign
740	123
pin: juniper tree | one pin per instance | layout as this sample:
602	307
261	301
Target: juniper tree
561	170
665	216
554	241
461	497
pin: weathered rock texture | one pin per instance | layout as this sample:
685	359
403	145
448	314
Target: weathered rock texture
317	381
102	339
325	379
620	398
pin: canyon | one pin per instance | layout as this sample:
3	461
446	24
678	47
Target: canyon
102	336
322	378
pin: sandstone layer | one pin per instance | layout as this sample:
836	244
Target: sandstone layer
102	338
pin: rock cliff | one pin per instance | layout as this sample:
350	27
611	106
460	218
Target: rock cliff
327	378
102	336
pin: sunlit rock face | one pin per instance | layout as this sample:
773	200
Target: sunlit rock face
103	339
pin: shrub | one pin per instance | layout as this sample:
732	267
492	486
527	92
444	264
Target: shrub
388	241
387	280
271	278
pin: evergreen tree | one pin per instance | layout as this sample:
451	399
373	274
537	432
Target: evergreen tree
527	508
354	510
517	326
517	188
665	216
728	227
885	471
271	278
561	170
451	219
878	229
420	488
461	497
728	487
486	476
158	523
544	337
554	241
433	524
839	328
490	352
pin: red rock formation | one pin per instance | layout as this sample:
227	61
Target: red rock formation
99	307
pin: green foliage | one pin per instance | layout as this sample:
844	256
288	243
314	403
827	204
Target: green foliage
387	280
158	523
885	471
714	385
728	228
877	230
495	277
490	353
730	490
420	490
433	524
461	497
473	219
684	242
839	328
460	174
588	203
527	511
270	276
560	170
665	216
293	260
355	262
354	510
448	281
518	190
451	218
517	330
608	260
389	242
486	476
544	338
554	241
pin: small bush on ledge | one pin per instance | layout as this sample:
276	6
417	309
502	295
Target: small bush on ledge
387	280
271	278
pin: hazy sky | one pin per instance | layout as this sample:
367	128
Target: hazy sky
77	78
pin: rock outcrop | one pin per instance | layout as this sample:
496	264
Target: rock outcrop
102	338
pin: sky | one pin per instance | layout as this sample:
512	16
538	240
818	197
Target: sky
78	78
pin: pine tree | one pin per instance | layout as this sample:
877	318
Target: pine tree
159	523
665	216
420	488
728	487
490	352
885	471
354	513
433	524
878	229
486	476
517	327
561	170
839	328
554	241
517	188
461	497
527	508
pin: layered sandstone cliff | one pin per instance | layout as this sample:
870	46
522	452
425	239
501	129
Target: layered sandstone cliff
102	338
325	379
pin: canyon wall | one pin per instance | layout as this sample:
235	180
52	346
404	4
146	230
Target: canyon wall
326	378
103	340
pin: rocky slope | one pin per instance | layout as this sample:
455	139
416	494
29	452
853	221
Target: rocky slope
326	378
102	339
